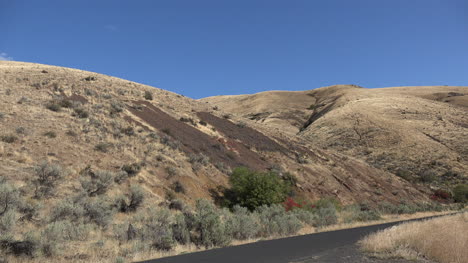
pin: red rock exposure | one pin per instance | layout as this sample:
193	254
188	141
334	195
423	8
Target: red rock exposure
195	141
247	135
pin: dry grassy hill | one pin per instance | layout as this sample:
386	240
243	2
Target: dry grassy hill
90	164
177	140
418	133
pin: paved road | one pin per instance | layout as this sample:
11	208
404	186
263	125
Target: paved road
320	247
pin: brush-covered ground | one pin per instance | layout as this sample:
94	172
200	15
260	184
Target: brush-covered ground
96	168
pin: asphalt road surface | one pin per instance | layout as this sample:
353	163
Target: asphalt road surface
334	246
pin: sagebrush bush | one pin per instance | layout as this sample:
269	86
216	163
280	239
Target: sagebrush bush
132	169
275	221
156	227
180	230
98	211
66	210
305	216
131	201
66	231
243	224
326	216
9	197
97	183
360	213
209	224
46	177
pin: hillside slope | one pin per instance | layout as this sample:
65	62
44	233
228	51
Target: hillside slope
185	147
418	133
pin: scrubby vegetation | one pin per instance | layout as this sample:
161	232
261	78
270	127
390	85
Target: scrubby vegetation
259	207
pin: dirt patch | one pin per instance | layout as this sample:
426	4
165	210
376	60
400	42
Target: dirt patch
195	141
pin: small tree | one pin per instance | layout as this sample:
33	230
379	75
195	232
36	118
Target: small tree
253	189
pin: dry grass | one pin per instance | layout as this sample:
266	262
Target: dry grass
443	239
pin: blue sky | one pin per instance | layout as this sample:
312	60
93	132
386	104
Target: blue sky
213	47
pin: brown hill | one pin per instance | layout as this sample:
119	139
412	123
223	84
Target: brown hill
418	133
106	122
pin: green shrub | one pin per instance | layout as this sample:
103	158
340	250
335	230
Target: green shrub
460	193
253	189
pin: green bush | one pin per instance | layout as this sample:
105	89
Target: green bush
460	193
253	189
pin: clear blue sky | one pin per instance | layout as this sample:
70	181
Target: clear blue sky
202	48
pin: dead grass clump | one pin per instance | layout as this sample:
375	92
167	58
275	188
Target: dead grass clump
440	239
